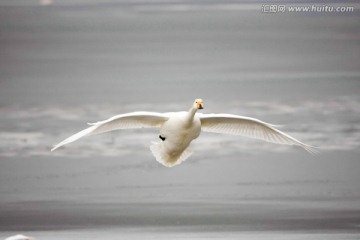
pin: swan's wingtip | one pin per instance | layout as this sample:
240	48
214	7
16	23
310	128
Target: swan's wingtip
54	148
313	150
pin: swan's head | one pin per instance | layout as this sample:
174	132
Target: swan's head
198	104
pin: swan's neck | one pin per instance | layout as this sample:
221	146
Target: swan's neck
191	114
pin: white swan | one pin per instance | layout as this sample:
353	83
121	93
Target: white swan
20	237
178	129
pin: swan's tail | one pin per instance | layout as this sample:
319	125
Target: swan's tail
165	159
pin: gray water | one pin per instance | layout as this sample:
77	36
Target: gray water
69	63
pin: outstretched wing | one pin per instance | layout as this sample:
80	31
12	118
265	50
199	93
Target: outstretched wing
248	127
122	121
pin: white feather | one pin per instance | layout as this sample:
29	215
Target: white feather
166	159
248	127
122	121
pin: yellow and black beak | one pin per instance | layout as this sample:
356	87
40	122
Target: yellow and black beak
199	105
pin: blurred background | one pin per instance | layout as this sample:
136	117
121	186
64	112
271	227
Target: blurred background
65	63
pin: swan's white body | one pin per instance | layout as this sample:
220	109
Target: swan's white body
179	129
20	237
